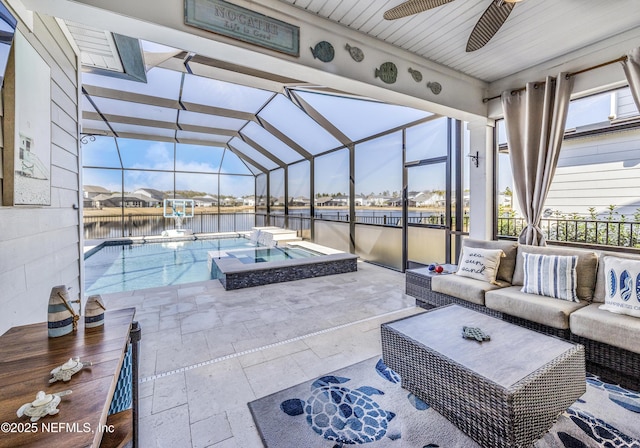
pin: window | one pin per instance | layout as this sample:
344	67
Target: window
299	179
261	193
332	186
277	198
378	176
594	197
427	140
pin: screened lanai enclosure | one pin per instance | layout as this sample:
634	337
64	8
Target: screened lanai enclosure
355	174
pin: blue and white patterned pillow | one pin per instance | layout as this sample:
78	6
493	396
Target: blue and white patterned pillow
551	276
622	286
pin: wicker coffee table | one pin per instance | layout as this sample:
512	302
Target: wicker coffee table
506	392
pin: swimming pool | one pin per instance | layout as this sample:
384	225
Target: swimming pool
235	262
127	267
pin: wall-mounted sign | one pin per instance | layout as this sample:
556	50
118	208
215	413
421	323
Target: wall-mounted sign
243	24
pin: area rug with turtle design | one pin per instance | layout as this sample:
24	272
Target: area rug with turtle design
364	404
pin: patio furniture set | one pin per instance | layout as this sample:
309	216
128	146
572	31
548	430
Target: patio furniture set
507	388
610	338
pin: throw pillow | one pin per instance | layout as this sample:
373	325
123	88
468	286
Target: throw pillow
550	275
622	286
481	264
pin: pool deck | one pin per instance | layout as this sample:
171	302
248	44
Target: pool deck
207	352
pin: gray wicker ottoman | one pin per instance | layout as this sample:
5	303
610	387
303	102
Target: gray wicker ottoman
506	392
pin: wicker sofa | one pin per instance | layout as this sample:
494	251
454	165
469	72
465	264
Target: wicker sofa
610	339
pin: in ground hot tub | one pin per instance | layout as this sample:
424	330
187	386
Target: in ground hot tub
243	268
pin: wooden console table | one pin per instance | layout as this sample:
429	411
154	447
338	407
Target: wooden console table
27	356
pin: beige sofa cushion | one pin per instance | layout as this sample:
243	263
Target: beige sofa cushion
543	310
507	263
601	282
464	288
585	269
603	326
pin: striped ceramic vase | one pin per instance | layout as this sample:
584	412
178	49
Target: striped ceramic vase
94	312
60	317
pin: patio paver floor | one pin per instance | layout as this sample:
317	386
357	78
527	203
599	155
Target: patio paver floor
206	352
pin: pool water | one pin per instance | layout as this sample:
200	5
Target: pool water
262	254
128	267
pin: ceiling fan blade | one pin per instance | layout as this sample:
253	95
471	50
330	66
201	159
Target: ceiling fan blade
489	24
412	7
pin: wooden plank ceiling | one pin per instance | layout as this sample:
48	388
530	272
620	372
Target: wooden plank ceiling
536	30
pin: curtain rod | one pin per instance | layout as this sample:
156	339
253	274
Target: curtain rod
620	59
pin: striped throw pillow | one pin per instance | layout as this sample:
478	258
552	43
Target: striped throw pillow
551	276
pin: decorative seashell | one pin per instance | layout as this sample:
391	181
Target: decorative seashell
435	87
356	53
62	319
44	404
66	370
94	312
323	51
416	75
388	72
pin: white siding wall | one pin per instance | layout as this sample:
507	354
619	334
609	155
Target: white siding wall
39	246
598	172
626	107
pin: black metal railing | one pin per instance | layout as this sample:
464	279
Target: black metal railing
110	226
585	231
137	225
392	220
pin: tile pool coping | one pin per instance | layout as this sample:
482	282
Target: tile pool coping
93	246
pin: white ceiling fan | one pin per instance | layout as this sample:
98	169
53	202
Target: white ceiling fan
486	27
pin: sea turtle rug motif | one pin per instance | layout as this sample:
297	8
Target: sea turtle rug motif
365	405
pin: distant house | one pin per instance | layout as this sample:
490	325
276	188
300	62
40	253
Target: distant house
323	201
249	201
150	192
300	201
230	201
394	202
338	201
205	201
429	199
130	200
378	200
89	192
596	172
102	200
361	200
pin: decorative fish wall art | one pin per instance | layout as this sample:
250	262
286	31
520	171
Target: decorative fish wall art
388	72
323	51
435	87
356	53
416	75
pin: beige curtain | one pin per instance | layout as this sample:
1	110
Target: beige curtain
632	71
534	119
